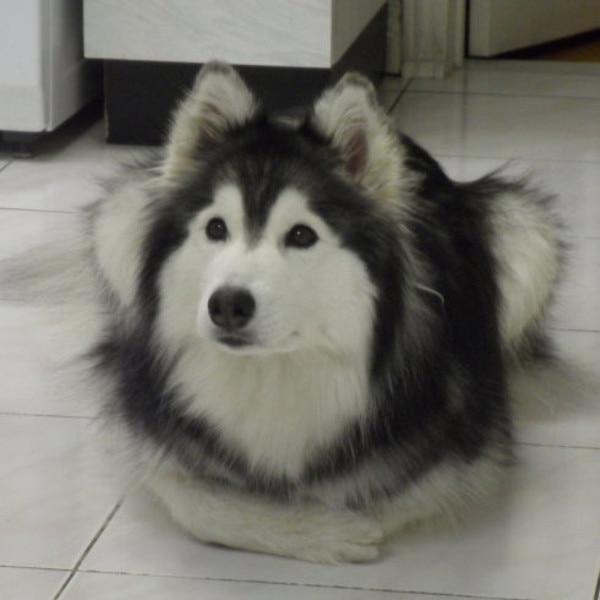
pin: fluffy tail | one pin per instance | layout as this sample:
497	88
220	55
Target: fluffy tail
549	391
53	273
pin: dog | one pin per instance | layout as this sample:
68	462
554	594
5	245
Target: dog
308	330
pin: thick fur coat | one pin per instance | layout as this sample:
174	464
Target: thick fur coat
308	328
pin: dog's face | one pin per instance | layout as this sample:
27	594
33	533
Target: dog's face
265	226
287	285
262	272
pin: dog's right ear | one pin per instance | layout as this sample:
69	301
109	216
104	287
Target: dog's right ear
349	117
218	102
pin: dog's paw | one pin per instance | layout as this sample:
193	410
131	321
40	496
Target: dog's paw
339	538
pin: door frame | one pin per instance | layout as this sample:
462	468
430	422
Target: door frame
433	37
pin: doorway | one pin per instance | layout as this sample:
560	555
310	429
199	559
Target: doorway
536	29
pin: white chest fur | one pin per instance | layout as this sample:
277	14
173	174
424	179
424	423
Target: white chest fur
276	409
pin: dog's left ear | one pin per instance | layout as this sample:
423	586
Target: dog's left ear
349	116
218	102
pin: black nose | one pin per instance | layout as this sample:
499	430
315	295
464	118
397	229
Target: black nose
231	308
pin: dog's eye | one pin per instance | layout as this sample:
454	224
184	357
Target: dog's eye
301	236
216	230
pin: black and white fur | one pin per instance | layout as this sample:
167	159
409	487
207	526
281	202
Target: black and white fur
309	329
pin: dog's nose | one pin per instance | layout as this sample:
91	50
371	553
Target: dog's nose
231	308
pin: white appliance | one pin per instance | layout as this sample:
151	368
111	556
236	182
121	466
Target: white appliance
44	78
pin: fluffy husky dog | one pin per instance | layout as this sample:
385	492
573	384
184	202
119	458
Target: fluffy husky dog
309	327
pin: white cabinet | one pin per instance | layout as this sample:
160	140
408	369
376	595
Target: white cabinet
286	50
43	76
307	33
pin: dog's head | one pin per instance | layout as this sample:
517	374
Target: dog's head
271	234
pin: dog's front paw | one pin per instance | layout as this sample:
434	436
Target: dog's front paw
339	537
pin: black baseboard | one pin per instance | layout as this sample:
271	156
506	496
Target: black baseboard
140	95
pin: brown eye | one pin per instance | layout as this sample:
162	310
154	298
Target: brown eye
216	230
301	236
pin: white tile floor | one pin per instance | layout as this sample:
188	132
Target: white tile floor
63	533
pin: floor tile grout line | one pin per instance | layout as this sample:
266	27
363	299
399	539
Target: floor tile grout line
523	444
88	549
4	413
8	163
30	568
573	330
401	93
467	94
519	160
531	67
291	584
38	210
